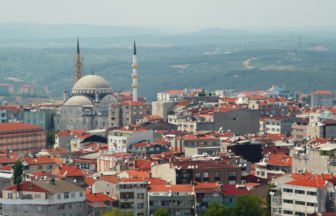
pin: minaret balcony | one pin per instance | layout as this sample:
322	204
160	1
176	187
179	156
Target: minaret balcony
135	76
134	66
135	85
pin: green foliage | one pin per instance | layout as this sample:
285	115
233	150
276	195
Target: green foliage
117	212
18	171
247	205
161	212
51	139
268	201
215	209
26	95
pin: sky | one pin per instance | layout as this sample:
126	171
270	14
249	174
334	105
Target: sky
173	13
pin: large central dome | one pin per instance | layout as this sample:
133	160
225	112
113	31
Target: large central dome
91	82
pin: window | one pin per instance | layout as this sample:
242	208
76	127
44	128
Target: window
299	191
79	214
140	205
232	173
332	205
288	190
280	210
232	182
198	175
275	201
217	174
58	196
73	195
205	175
25	208
79	205
6	207
81	194
15	207
51	208
215	194
300	203
310	204
37	196
95	203
274	210
66	195
234	119
288	201
39	167
312	193
230	200
140	195
287	212
300	213
69	206
39	208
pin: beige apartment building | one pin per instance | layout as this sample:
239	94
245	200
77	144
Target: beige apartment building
27	89
127	112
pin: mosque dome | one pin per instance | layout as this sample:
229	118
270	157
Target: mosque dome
78	101
91	82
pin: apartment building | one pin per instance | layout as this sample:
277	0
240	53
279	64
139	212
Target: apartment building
125	113
200	171
170	95
147	150
107	162
27	89
88	163
22	138
131	193
176	199
40	117
321	99
277	124
39	164
63	138
11	114
121	139
100	204
269	106
267	169
6	89
52	197
299	129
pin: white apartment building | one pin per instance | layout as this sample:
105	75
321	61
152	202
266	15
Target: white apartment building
321	98
120	140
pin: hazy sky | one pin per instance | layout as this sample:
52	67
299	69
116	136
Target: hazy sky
175	13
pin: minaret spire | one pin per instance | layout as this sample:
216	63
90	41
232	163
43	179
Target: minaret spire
78	64
92	71
135	74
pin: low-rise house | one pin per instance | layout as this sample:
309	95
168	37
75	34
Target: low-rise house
88	163
147	150
133	174
32	165
100	204
57	152
71	174
231	192
52	197
176	199
206	193
63	138
107	162
274	166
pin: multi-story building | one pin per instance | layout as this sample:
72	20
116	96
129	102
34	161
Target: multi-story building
121	139
107	162
274	166
52	197
127	113
57	152
100	204
147	150
6	89
299	129
39	164
269	106
322	129
22	138
27	89
321	99
63	138
130	193
176	199
11	114
82	141
197	144
200	171
40	117
170	95
88	163
276	92
71	174
163	109
277	124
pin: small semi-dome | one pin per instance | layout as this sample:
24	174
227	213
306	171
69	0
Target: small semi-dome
91	82
78	101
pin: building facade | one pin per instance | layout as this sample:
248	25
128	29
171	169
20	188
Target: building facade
321	99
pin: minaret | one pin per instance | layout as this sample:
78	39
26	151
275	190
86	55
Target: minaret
119	94
135	75
78	64
65	95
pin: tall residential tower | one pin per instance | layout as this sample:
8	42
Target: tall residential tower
78	63
135	75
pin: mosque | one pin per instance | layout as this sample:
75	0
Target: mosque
87	107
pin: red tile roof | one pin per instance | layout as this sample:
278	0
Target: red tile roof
137	173
6	168
153	117
156	181
89	181
58	161
206	185
321	92
41	173
313	181
57	150
143	164
173	188
121	154
275	136
114	179
16	126
98	197
280	162
84	136
25	187
39	160
68	171
133	130
131	103
71	132
201	164
228	100
278	156
276	100
174	92
231	190
199	137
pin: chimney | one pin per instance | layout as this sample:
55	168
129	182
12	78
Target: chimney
150	175
191	183
52	181
322	175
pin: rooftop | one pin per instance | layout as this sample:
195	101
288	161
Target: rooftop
17	127
173	188
321	92
39	160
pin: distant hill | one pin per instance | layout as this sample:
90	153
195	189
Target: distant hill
43	31
220	31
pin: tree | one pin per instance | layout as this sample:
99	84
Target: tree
249	205
117	212
161	212
268	201
51	139
215	209
18	171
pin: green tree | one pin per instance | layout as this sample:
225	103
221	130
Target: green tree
215	209
268	201
117	212
51	139
249	205
18	170
161	212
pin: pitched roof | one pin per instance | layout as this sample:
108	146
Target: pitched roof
114	179
321	92
57	150
275	136
136	173
85	136
98	197
156	181
153	117
132	103
58	161
143	164
275	100
231	190
120	154
39	160
68	171
71	132
89	181
6	168
199	137
173	188
25	186
17	126
313	181
40	173
280	162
